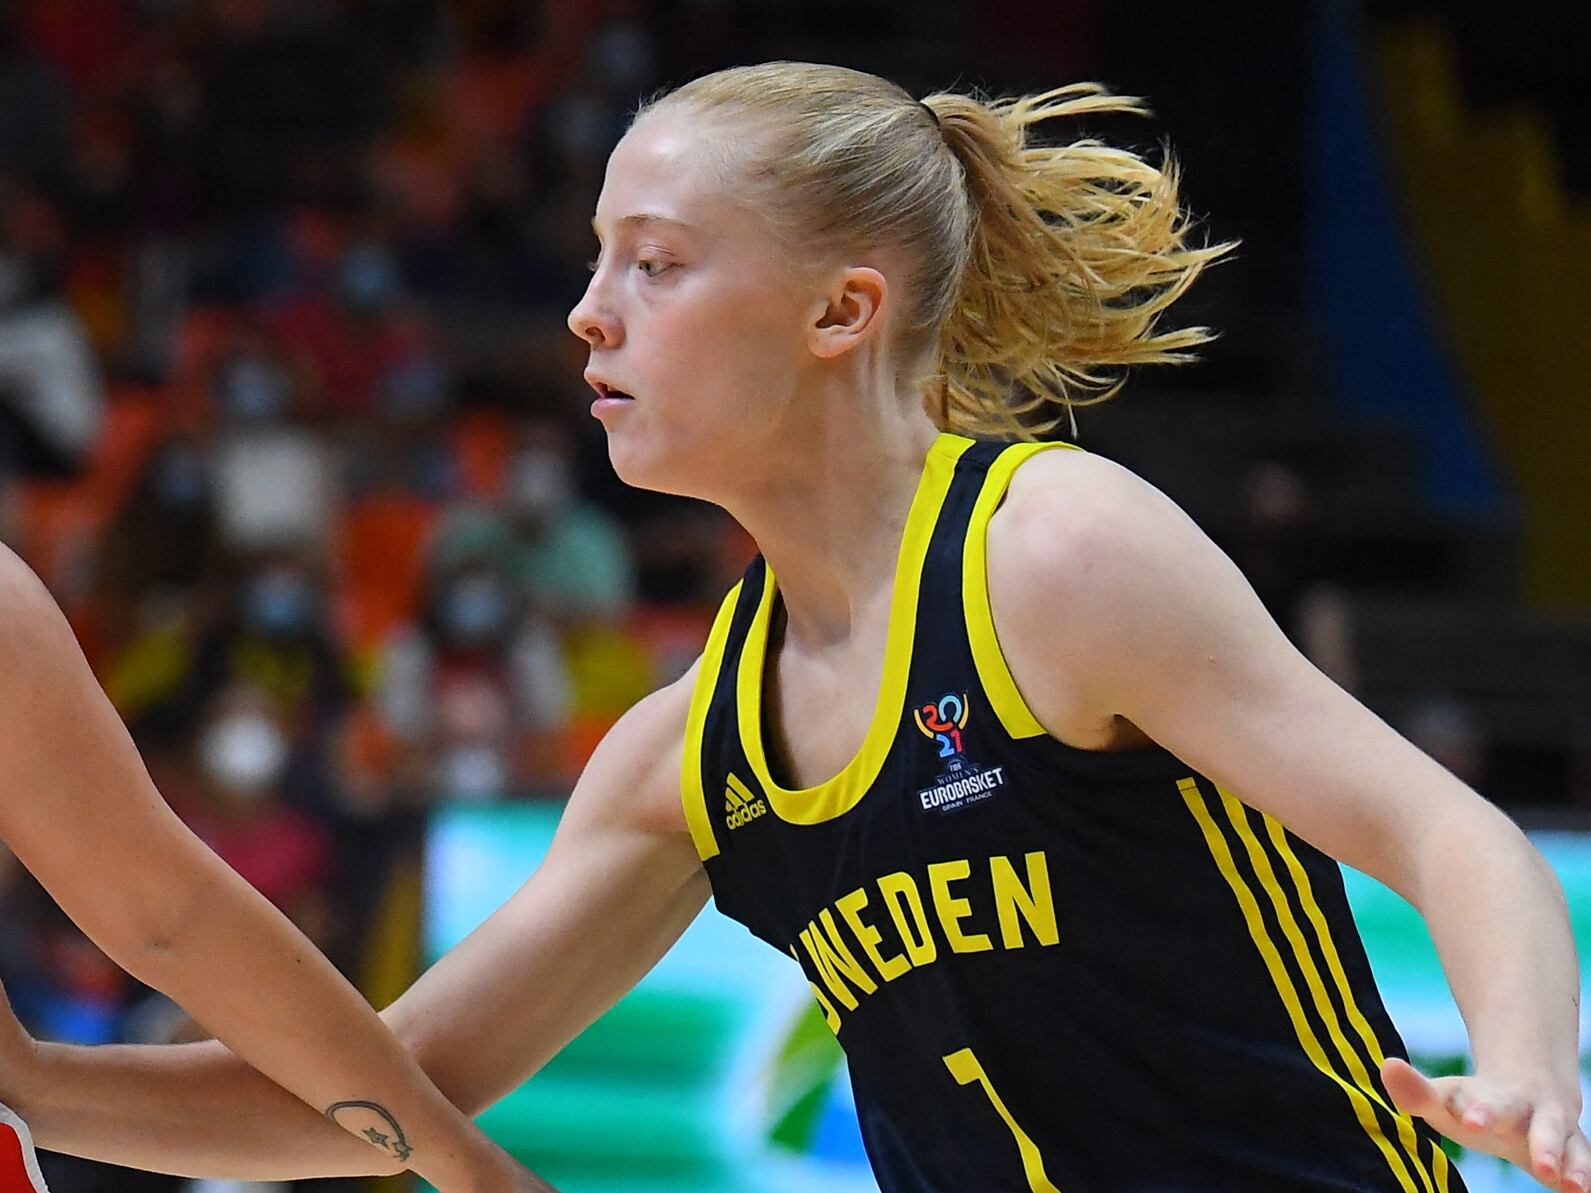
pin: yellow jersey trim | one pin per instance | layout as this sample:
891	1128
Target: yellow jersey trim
993	672
814	805
1361	1093
691	790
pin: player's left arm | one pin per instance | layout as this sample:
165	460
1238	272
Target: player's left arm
1111	603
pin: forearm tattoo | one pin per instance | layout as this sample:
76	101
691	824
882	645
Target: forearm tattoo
373	1123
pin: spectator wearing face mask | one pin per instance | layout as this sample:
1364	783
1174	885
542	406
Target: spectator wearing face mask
51	402
273	635
568	559
240	761
572	564
350	334
402	446
472	694
273	479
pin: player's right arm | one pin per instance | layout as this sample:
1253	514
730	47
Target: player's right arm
619	885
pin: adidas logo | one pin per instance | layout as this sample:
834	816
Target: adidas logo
741	805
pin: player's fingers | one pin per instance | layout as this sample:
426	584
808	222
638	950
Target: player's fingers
1410	1088
1468	1109
1514	1116
1548	1138
1577	1164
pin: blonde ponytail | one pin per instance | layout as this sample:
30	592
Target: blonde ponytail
1039	272
1076	251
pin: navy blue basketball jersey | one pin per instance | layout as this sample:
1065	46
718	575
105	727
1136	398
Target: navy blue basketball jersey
1050	969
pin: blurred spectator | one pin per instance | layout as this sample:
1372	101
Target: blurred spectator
1324	626
292	91
50	396
154	661
158	551
235	804
274	480
475	693
1446	730
1275	542
402	445
350	338
568	559
271	635
496	253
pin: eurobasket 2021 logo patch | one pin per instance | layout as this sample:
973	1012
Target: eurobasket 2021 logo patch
961	781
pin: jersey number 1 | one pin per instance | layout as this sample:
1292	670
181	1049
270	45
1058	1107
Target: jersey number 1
966	1069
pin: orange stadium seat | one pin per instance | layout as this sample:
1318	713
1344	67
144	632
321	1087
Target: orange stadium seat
381	566
63	518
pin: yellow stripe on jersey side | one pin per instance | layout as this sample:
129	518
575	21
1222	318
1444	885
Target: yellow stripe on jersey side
1015	716
814	805
1328	949
1363	1110
1266	873
691	792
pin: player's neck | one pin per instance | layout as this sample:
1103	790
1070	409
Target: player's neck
830	523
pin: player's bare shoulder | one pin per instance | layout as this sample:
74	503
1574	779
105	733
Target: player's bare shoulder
1076	554
634	775
1067	511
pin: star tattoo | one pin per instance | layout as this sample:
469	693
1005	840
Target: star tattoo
348	1116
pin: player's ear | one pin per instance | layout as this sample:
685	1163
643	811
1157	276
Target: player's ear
849	311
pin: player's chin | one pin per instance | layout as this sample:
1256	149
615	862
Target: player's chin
644	461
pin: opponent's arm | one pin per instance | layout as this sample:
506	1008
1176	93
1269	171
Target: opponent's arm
80	813
1158	627
619	885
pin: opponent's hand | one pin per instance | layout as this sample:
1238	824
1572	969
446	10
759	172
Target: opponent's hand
1531	1124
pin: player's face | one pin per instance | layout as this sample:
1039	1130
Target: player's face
693	317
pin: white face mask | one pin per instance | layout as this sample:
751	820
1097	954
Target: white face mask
471	771
243	753
539	485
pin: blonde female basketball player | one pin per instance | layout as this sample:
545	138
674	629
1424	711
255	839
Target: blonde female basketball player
80	813
990	738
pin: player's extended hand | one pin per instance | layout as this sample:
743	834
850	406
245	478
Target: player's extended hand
1531	1124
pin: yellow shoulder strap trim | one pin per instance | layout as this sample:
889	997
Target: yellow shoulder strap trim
691	790
993	672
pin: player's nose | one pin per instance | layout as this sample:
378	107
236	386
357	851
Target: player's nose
593	321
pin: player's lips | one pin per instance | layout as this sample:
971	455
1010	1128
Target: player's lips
606	390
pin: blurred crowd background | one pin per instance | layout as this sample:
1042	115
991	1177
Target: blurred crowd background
291	424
